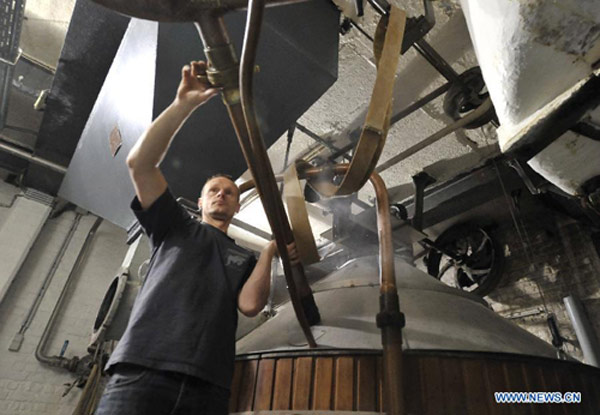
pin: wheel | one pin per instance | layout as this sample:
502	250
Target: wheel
477	266
461	99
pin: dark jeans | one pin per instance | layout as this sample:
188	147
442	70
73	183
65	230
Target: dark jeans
135	390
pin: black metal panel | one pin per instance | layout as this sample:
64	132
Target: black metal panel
449	199
6	76
97	180
297	57
468	191
11	21
298	63
92	40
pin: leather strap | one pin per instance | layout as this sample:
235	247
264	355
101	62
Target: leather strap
377	122
296	209
367	151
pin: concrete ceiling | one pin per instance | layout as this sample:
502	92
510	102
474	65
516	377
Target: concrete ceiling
343	108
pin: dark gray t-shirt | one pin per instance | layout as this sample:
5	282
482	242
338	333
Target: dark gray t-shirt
185	316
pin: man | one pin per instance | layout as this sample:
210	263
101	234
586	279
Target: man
177	353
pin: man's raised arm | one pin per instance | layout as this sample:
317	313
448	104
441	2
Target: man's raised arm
147	153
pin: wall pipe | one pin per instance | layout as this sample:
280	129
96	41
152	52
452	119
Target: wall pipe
584	330
59	361
20	336
16	151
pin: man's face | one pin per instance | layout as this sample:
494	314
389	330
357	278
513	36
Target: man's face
220	199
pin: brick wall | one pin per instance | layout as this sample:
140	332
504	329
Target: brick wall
548	256
552	258
27	386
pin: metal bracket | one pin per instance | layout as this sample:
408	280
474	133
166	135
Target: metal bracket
421	181
15	60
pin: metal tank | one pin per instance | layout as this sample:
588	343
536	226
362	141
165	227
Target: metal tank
456	353
438	317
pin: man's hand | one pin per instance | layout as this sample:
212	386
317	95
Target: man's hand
194	89
255	292
291	249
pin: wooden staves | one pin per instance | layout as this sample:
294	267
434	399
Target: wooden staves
435	383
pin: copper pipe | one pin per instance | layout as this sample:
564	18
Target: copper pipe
291	277
179	10
267	185
390	319
386	246
212	30
214	35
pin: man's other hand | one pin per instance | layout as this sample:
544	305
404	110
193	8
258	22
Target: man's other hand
291	249
194	88
293	254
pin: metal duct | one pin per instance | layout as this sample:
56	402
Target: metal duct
297	62
97	178
90	45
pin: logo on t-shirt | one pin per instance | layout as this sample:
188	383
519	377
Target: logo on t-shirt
235	258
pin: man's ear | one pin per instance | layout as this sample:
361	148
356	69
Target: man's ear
199	203
237	210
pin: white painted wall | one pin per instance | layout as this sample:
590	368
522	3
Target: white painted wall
25	219
8	194
27	386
